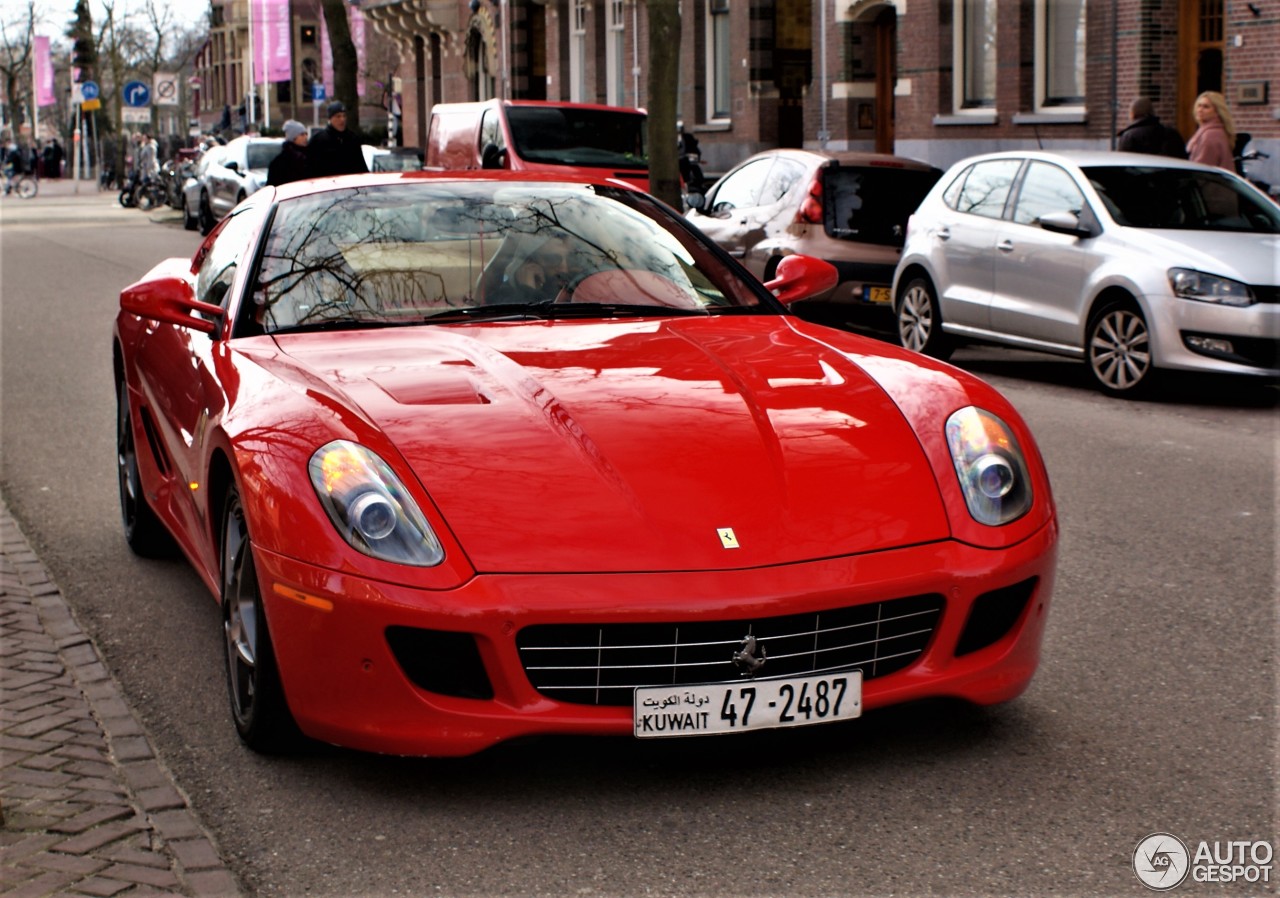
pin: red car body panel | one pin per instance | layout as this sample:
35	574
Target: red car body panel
578	471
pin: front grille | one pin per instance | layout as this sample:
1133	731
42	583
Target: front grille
602	664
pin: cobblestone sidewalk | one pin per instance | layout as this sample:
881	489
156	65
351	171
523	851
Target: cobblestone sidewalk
87	809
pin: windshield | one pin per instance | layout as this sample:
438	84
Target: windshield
444	251
1181	199
560	135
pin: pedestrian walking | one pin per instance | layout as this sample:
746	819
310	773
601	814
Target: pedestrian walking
1215	138
291	164
1147	134
335	150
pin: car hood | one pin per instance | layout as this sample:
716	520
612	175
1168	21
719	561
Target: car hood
1252	258
629	445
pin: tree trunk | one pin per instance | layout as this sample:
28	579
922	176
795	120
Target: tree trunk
344	59
664	75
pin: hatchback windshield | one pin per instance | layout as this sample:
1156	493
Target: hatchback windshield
1181	199
261	154
408	253
568	136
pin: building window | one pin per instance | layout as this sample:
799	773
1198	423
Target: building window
975	54
1060	53
577	51
718	60
616	55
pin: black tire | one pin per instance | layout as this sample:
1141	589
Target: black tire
919	319
189	220
126	197
1117	350
258	707
145	199
207	221
143	530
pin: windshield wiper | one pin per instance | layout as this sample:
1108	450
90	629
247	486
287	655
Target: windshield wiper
551	311
337	324
499	311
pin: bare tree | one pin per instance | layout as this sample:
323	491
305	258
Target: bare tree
17	42
344	59
664	75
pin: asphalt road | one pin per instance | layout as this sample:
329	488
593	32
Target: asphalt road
1154	709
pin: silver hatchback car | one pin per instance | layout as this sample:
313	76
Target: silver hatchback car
1133	263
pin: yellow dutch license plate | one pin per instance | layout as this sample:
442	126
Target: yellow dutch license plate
665	711
877	295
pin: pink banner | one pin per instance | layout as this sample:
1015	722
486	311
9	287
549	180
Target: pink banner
272	49
43	73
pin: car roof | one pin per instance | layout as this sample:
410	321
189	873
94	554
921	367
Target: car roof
320	185
846	157
1086	158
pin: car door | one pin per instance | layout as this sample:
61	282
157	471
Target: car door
225	180
965	231
176	368
1041	276
732	211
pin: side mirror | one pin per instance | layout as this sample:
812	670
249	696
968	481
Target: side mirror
493	157
802	277
233	166
1065	223
170	300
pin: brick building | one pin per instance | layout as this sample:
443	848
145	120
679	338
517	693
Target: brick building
934	79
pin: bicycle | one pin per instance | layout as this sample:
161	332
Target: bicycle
26	186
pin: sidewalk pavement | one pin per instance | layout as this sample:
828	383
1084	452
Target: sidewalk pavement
86	807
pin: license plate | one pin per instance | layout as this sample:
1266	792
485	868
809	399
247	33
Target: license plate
877	295
665	711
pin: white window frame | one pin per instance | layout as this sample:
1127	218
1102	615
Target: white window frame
719	62
963	60
577	50
1043	63
616	53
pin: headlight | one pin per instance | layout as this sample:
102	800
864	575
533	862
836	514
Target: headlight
370	506
990	466
1188	284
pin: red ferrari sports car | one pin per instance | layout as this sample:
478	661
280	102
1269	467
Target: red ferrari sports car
465	457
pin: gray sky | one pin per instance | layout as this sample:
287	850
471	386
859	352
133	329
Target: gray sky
55	15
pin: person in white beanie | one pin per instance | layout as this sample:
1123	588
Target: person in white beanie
291	164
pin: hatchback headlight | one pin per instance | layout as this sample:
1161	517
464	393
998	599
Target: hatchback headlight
1189	284
990	465
370	507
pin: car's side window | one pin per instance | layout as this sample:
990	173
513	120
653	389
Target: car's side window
491	130
217	271
987	188
1046	189
951	196
742	189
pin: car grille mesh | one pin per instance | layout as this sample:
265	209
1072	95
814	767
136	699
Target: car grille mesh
602	664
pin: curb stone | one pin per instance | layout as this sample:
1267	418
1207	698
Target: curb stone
86	807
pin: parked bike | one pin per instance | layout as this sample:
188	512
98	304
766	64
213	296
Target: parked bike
1244	156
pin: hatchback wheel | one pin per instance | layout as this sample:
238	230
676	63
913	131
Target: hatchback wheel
1118	349
258	705
920	320
207	221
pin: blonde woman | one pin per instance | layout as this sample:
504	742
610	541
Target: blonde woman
1215	138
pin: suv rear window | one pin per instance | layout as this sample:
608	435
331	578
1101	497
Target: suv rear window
871	204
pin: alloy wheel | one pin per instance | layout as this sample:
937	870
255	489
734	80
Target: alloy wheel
1120	350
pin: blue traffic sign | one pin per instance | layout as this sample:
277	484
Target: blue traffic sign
136	93
317	92
89	90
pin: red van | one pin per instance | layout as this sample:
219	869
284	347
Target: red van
532	135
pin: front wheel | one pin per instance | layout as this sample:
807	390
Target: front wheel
27	188
143	530
1118	350
258	705
920	320
207	221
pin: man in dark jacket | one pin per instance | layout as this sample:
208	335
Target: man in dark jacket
291	164
1147	134
335	150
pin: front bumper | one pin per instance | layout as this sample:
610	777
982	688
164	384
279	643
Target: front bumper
1179	326
345	685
